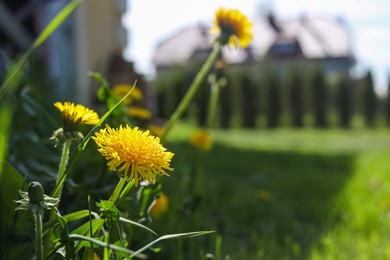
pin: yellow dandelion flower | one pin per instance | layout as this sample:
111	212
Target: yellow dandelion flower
121	90
233	26
263	195
134	153
220	64
202	140
75	115
156	130
159	206
139	112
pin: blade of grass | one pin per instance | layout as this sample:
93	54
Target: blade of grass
125	220
106	245
180	235
218	246
90	225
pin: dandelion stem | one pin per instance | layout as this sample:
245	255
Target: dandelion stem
115	194
125	190
181	108
63	163
38	226
213	103
60	182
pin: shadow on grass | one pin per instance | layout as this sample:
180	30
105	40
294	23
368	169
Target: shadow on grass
265	204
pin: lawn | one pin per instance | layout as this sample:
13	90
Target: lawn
280	194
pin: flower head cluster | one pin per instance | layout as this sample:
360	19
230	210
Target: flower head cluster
139	112
263	195
202	140
135	154
159	206
156	130
121	90
233	26
75	115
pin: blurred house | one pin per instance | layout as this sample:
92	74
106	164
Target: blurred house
91	39
307	40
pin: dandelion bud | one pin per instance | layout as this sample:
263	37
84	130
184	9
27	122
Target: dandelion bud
35	192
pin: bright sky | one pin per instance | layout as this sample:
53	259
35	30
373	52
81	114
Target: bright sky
151	21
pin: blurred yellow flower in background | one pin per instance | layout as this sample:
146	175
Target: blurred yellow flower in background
159	206
121	90
75	115
263	195
202	140
156	130
233	26
134	153
139	112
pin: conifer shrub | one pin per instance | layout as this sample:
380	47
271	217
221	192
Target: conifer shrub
250	100
295	97
272	99
368	99
344	105
318	88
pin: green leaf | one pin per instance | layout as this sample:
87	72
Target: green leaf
11	181
65	240
12	222
102	94
100	78
156	250
180	235
145	199
109	210
79	215
5	121
106	245
125	191
97	224
63	221
84	229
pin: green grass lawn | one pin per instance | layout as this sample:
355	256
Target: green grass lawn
280	194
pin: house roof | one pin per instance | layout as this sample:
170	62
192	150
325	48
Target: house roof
318	37
180	47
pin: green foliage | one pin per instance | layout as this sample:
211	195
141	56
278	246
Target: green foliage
295	194
226	104
272	97
15	225
344	102
295	92
26	127
319	93
201	103
269	195
387	103
250	100
369	99
170	90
